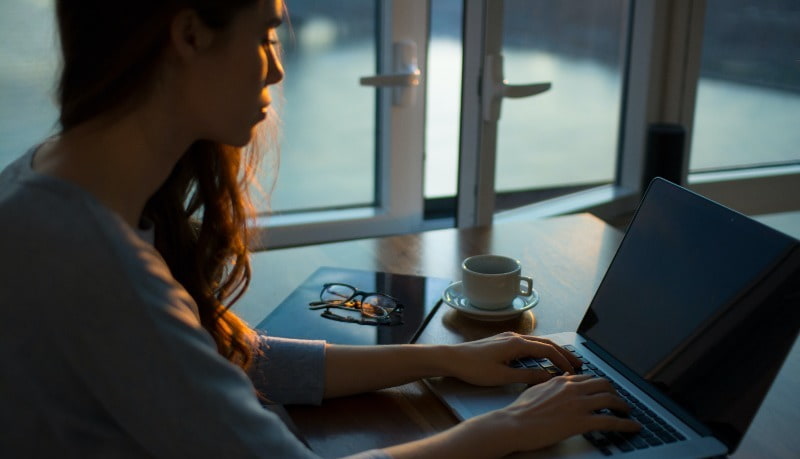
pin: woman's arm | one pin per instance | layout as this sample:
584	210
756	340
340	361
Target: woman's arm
354	369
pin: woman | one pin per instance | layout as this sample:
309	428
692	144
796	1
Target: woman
124	244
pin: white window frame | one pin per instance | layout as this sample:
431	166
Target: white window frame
400	145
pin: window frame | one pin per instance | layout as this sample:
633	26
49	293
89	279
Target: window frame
399	200
661	76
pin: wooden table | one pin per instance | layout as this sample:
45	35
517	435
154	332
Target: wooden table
567	257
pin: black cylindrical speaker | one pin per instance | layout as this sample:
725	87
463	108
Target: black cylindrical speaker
664	154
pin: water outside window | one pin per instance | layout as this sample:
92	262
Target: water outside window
328	148
748	99
568	135
28	63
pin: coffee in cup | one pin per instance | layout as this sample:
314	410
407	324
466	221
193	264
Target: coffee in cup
493	281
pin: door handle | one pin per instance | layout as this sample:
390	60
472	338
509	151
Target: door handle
494	88
405	78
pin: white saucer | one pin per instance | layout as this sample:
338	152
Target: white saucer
454	297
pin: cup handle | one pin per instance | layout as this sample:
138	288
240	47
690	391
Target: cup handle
529	282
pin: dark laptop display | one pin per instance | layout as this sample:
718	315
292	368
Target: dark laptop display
711	335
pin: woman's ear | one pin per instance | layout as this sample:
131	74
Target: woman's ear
189	35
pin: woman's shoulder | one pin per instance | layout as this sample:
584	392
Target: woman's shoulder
55	214
54	231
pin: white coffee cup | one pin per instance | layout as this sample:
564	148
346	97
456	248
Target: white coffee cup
493	281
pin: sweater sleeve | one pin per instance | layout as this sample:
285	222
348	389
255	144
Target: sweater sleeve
289	371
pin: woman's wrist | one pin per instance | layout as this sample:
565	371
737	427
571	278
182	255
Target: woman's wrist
433	360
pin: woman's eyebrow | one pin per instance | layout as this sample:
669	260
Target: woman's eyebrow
273	23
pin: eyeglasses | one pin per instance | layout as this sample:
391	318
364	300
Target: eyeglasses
375	308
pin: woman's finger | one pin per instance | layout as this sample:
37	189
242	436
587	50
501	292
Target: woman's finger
594	385
605	400
527	376
611	423
574	362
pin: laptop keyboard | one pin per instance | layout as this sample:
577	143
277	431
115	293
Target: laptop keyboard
655	431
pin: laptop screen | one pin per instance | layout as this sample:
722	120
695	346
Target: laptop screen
701	302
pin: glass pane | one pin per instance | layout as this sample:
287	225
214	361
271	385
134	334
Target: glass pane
443	104
328	123
748	98
328	120
28	52
568	135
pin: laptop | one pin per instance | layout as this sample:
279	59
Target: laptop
691	322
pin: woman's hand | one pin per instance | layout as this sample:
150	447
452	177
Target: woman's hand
541	416
560	408
485	362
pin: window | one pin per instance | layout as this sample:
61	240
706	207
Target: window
354	152
357	161
568	135
328	147
27	76
443	104
748	98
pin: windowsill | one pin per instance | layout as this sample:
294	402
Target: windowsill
317	216
605	201
743	174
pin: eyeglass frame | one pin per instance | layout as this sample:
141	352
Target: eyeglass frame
382	320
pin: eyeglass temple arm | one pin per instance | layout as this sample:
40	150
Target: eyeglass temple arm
325	305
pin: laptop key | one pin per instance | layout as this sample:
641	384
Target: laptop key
644	434
638	442
529	362
665	436
549	367
653	441
619	441
597	439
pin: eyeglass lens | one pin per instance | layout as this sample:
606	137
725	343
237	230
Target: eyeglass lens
374	305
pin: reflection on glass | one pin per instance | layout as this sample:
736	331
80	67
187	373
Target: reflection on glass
568	135
748	99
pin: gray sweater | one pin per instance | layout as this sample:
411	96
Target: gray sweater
102	353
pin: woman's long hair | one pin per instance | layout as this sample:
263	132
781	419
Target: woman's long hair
111	55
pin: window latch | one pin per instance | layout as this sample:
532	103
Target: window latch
494	88
406	77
